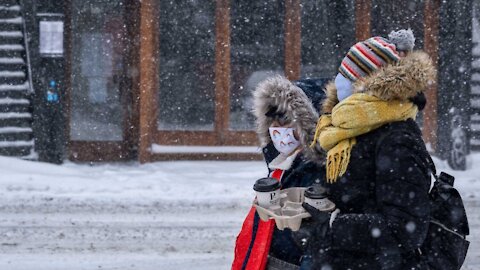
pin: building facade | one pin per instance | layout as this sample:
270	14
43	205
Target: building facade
159	80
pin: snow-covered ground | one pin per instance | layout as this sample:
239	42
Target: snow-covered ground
163	215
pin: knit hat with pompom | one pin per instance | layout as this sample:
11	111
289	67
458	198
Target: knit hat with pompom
367	56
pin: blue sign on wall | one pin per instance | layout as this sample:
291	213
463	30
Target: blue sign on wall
52	95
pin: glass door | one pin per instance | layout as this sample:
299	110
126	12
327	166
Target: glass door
98	115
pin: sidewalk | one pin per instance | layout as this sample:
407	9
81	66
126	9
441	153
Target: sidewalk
165	215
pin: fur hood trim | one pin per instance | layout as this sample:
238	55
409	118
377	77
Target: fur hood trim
398	81
279	92
331	100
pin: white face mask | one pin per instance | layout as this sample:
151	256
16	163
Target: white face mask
283	139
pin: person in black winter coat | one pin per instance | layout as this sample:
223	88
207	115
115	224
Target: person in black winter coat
280	105
377	171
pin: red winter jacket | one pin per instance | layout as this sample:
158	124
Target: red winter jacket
253	241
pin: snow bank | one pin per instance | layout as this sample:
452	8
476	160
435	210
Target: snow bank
193	181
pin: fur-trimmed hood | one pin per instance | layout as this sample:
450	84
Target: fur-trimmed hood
279	92
401	80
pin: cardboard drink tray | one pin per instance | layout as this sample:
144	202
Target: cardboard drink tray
290	212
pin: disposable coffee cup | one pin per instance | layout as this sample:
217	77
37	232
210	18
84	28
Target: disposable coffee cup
268	192
316	196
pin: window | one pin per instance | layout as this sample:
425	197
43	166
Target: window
186	65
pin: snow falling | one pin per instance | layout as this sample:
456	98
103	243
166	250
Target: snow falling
127	133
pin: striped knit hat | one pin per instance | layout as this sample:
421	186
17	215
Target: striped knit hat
367	56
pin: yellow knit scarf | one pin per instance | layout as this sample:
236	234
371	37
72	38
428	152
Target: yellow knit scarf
354	116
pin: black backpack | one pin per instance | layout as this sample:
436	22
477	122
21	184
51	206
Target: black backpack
445	246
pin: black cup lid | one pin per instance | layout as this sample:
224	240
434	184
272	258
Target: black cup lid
266	184
316	192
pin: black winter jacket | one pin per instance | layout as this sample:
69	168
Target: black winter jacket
383	197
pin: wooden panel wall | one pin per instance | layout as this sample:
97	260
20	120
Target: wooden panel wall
148	78
293	39
363	17
430	126
222	69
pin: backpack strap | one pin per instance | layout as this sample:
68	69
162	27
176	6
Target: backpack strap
431	165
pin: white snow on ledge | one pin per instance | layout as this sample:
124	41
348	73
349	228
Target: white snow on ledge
11	34
15	129
10	87
12	60
10	115
15	143
49	14
11	8
173	149
8	73
11	47
11	101
16	20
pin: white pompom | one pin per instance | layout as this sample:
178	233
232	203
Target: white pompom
403	39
